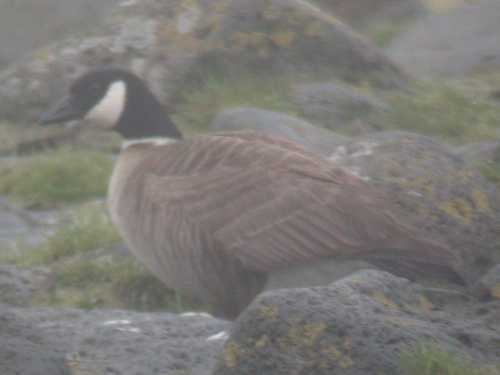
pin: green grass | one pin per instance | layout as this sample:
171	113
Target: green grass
382	32
453	111
103	282
87	273
48	179
427	358
201	102
87	229
490	170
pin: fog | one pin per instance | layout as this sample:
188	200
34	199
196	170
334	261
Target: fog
26	25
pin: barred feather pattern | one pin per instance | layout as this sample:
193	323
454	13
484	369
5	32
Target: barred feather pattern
213	215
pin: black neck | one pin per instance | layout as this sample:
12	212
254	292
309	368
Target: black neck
144	116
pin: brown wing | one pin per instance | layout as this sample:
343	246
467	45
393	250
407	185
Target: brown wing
268	204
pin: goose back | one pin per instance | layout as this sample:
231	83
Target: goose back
212	215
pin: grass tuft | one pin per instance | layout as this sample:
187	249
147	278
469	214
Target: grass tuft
490	170
202	102
87	230
382	32
86	271
428	358
61	176
454	111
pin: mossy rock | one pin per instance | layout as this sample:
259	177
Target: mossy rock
440	194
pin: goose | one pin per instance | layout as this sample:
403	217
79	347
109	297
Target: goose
214	215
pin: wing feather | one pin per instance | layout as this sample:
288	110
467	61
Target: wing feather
267	204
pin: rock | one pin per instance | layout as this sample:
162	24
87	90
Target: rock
331	104
479	151
294	36
318	273
18	285
439	193
365	13
106	342
142	36
451	44
28	226
17	222
317	139
168	43
488	287
29	355
357	325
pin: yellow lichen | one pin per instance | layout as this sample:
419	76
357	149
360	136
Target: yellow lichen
257	41
480	201
345	362
464	176
398	321
272	13
231	352
338	356
425	303
188	4
347	344
315	28
495	290
282	38
300	337
262	341
457	208
382	298
267	311
43	54
220	6
333	352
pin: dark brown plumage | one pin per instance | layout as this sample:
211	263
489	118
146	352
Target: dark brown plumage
214	215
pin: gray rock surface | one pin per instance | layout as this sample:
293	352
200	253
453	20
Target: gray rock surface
439	193
49	341
317	139
451	44
283	36
357	325
488	287
169	42
332	104
27	352
367	12
18	285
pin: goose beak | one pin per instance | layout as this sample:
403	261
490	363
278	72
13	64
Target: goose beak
64	110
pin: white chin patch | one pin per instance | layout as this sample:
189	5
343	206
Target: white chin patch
108	111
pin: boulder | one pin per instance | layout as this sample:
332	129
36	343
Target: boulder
52	341
19	285
29	356
295	37
317	139
438	192
365	12
357	325
332	104
168	43
461	41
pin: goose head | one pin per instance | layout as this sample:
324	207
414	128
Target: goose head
114	99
